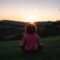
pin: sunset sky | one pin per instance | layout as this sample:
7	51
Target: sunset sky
30	10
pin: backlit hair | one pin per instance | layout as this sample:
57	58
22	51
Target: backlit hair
31	29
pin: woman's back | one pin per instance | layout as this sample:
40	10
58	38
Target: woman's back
31	41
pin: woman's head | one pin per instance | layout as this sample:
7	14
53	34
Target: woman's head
31	29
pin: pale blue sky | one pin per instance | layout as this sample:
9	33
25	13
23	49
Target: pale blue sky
40	9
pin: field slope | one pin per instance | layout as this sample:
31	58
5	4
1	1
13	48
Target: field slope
10	50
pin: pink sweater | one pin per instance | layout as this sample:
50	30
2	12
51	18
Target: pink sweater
31	41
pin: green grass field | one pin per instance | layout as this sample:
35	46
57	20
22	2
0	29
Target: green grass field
10	50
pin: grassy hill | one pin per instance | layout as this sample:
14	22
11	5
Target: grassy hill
12	30
10	50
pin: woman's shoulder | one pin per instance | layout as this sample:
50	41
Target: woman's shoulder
26	35
36	35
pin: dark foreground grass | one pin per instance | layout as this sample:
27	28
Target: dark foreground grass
10	50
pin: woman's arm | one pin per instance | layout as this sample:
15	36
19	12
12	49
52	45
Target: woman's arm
24	40
38	40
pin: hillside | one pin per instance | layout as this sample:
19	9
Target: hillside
14	30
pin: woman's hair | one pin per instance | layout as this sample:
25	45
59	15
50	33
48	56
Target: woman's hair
31	29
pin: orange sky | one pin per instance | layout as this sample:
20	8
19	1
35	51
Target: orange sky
30	10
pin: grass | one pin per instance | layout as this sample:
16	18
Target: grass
10	50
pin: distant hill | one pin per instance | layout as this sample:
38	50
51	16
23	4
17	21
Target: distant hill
16	23
10	29
14	30
9	22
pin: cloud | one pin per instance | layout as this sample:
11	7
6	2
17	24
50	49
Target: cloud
39	8
58	9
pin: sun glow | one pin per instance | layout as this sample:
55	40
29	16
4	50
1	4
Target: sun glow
31	17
